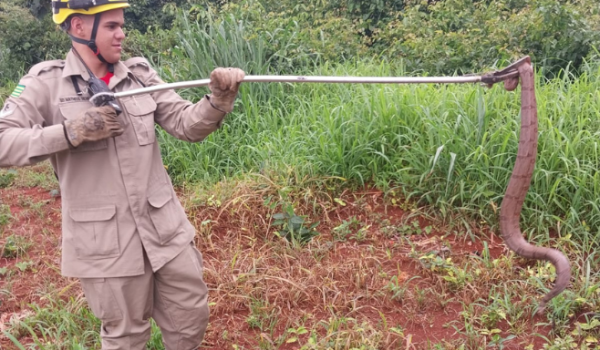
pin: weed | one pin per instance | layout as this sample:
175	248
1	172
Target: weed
293	227
589	331
434	262
5	216
346	228
421	298
398	290
352	228
295	333
14	246
412	228
345	330
6	178
457	277
492	316
497	340
559	343
262	317
36	207
25	265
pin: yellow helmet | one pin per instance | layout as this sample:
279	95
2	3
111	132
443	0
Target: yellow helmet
62	9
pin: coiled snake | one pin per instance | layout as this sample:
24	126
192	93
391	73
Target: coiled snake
521	176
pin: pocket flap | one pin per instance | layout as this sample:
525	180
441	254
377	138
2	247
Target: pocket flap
71	110
160	197
140	105
93	214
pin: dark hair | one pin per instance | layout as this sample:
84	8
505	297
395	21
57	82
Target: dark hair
66	25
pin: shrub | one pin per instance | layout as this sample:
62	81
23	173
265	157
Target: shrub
466	35
26	40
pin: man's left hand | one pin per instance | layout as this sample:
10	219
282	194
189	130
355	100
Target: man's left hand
224	85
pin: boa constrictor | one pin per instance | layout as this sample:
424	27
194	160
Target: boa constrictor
520	179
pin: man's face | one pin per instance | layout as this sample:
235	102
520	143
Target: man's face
110	34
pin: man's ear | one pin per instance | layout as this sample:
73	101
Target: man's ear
77	25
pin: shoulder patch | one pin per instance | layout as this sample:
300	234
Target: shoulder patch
137	61
7	110
46	66
18	91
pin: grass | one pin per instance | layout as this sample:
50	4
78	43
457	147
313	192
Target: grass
449	146
5	217
375	291
39	175
65	324
14	246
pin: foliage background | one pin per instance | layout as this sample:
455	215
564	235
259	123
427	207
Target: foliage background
433	37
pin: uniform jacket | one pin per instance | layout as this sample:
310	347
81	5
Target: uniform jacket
117	198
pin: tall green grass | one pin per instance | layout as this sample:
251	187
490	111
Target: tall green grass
450	146
64	324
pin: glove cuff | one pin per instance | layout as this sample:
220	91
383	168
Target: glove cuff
215	101
66	130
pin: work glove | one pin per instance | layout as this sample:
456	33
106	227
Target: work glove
95	124
224	85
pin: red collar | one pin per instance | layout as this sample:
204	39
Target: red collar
107	77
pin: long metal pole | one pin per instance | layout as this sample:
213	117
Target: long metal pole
307	79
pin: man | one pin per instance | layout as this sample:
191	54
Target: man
125	233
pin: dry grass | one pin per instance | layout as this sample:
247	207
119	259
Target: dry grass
394	271
381	274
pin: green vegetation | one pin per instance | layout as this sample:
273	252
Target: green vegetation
65	323
6	178
452	146
14	246
5	216
433	37
39	175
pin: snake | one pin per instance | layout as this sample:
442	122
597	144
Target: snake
520	181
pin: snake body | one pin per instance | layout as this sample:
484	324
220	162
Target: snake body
519	185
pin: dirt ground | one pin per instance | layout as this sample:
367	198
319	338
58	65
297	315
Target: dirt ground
37	218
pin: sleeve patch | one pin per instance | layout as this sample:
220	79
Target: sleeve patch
18	91
8	109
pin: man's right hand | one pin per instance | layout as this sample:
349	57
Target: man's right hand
95	124
224	85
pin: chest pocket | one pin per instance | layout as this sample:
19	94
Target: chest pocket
71	110
141	114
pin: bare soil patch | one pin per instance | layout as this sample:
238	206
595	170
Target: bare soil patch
261	287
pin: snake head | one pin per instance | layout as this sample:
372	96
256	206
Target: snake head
511	84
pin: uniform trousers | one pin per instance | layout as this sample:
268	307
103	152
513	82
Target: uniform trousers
175	296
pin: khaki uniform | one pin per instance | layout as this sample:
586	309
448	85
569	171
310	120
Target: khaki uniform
118	203
116	195
174	296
